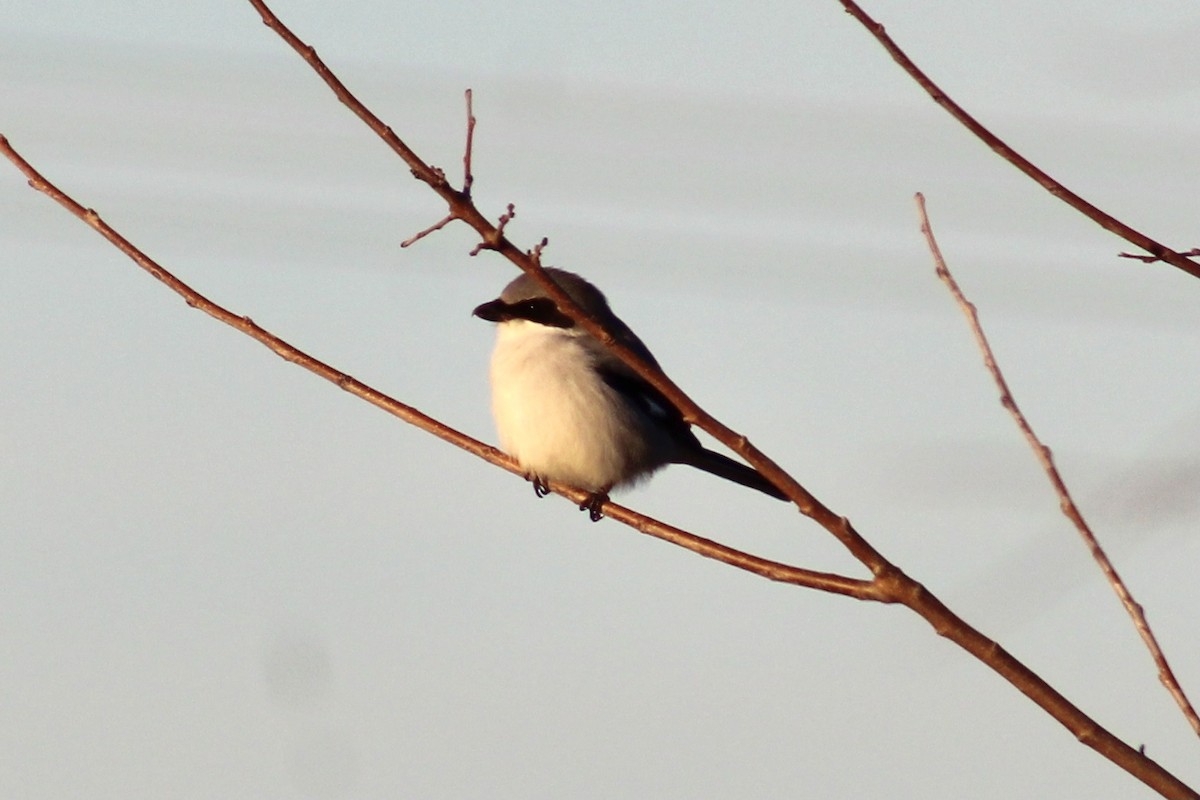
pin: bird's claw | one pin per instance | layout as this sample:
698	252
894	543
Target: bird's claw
593	504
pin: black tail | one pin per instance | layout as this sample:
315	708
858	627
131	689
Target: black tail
727	468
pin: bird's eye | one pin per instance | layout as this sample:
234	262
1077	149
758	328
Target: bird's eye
543	311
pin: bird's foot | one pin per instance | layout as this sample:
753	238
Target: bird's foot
539	486
592	505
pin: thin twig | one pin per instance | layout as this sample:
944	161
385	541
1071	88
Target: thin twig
1101	218
494	239
1046	459
468	175
536	253
468	179
1195	251
437	226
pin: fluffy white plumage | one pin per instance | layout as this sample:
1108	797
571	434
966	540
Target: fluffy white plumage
558	417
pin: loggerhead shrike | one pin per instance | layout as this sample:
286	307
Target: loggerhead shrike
568	410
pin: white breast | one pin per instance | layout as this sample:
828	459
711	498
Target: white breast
558	418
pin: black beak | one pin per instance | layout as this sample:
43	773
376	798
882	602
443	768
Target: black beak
539	310
492	311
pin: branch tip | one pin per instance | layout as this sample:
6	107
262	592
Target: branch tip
468	176
1195	251
437	226
536	253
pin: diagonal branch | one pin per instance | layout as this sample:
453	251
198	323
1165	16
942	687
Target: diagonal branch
462	208
1046	459
1160	252
773	570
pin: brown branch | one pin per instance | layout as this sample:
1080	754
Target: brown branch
535	254
1046	459
1195	251
1104	220
889	584
437	226
494	238
773	570
468	176
894	584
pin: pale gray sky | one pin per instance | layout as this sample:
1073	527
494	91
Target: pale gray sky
222	577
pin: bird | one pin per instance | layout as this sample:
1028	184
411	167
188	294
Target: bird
566	409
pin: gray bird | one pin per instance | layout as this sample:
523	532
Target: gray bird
568	410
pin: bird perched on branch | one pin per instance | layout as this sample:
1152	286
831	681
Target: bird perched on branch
569	410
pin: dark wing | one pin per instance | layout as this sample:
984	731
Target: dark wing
650	401
634	388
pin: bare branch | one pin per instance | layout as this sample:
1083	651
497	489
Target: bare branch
494	238
468	181
773	570
536	253
468	176
437	226
1195	251
1101	218
1046	459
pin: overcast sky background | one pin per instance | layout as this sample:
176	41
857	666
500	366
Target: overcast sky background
223	577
